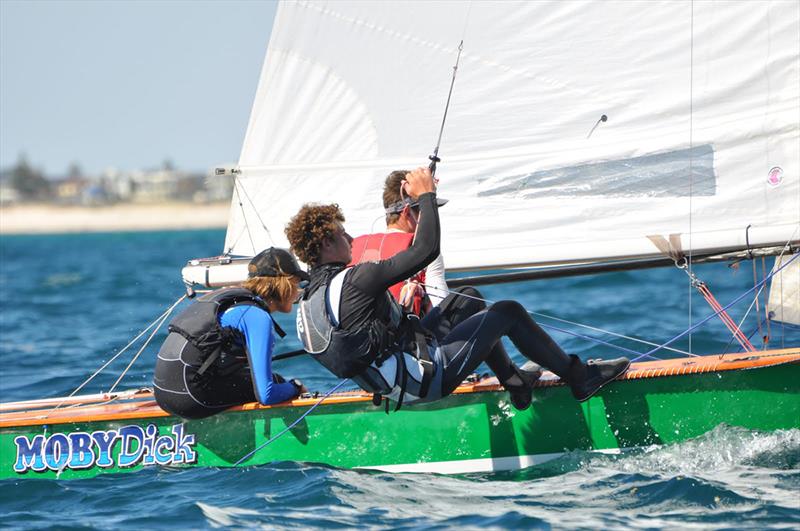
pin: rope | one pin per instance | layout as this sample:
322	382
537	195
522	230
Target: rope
568	332
723	315
691	158
758	293
764	338
118	354
601	330
258	216
246	227
760	323
768	336
706	319
746	314
163	319
594	339
662	346
704	290
292	425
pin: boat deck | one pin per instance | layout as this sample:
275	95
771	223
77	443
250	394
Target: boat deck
139	404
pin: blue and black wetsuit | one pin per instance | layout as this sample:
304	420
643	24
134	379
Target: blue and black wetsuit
257	329
240	372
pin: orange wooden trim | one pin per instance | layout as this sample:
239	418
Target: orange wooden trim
138	405
76	400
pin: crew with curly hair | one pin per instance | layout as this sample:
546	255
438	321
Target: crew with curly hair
312	225
353	326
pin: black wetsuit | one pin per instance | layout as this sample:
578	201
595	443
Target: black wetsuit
462	340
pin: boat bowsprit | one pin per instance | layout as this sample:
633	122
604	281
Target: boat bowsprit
475	429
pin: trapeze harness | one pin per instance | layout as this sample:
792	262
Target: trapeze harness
380	246
388	356
198	351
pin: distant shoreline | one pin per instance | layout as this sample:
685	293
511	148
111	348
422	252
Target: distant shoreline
55	219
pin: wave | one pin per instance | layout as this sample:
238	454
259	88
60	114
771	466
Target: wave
729	477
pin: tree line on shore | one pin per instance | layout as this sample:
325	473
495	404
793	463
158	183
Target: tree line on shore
24	183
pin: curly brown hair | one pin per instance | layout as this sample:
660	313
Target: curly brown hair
391	192
312	225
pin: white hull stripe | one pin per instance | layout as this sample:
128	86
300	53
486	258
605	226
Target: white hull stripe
488	464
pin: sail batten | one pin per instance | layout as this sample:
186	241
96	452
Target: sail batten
702	137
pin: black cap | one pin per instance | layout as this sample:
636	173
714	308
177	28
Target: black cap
275	262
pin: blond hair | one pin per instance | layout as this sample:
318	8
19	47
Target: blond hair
277	289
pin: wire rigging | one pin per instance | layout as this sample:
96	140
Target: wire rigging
258	216
246	227
719	310
434	158
136	356
158	320
736	300
292	425
691	159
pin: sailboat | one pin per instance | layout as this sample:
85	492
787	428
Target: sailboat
582	137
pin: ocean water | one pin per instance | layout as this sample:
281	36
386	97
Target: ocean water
70	302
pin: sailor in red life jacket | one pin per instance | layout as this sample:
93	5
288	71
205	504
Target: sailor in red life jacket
427	290
402	216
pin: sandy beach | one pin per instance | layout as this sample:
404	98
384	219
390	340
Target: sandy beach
54	219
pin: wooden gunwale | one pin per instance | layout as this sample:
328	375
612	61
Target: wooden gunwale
139	404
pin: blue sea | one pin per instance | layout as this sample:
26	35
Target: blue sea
70	302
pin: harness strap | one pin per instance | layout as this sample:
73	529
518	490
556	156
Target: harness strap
227	340
421	352
401	367
277	327
214	356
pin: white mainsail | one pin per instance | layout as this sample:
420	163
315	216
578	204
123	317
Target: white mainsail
702	137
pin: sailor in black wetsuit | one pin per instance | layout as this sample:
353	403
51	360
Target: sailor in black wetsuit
352	325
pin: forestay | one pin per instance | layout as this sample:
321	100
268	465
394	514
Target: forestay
702	136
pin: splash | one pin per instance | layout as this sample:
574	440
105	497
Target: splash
722	448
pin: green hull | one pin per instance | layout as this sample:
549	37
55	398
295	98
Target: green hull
471	431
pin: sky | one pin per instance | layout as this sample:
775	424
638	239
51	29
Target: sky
128	84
